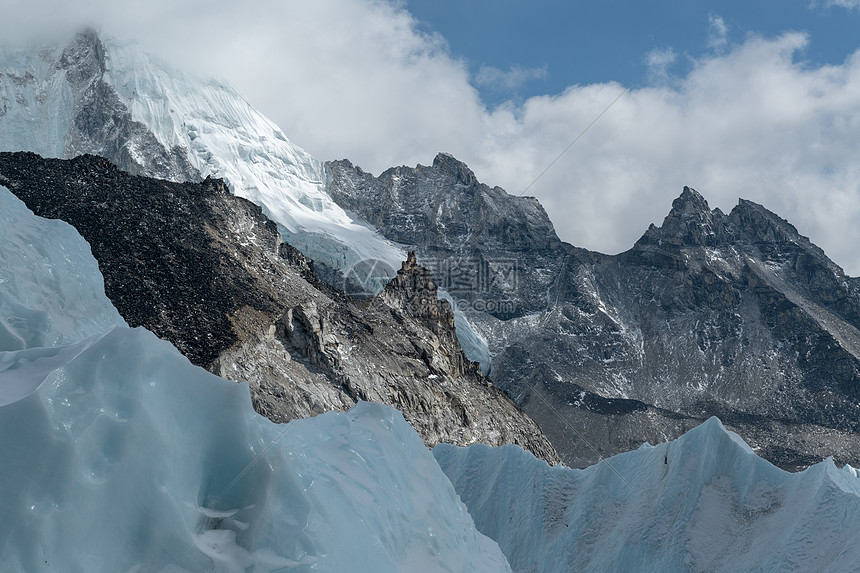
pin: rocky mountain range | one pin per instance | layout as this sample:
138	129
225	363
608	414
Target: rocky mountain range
735	315
208	271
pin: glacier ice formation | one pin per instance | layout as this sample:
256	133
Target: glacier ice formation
703	502
116	454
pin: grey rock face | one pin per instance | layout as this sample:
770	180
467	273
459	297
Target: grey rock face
454	220
209	272
733	315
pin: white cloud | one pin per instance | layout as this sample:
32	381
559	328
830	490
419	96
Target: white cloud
355	79
751	124
849	4
510	80
718	32
659	60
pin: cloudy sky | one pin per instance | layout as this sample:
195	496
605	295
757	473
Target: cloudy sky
757	99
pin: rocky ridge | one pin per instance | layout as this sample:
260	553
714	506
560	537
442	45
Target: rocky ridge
735	315
209	272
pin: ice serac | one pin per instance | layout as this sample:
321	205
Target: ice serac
101	96
48	297
736	315
116	454
124	435
704	502
209	272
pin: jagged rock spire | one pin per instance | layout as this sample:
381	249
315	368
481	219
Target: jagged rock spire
690	223
690	204
414	293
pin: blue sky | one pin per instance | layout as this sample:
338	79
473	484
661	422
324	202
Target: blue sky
559	43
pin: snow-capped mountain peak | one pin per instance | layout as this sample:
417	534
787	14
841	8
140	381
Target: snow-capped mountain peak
105	97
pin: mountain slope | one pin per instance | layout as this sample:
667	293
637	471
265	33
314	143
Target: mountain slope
704	502
208	271
710	314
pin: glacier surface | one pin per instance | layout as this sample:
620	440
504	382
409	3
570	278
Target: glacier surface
118	455
51	290
704	502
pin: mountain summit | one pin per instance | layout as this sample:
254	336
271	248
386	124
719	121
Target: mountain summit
690	222
61	102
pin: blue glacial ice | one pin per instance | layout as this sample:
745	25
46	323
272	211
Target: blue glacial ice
704	502
118	455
